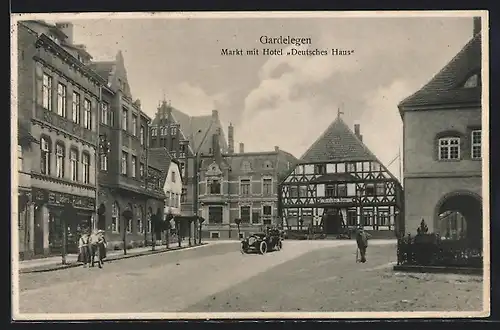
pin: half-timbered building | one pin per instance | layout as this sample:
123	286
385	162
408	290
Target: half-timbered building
340	182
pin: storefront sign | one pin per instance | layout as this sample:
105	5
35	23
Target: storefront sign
334	200
61	199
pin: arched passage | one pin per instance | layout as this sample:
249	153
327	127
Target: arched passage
460	215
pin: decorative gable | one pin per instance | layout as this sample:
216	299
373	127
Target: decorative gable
213	170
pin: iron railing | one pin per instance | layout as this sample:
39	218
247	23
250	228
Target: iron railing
431	250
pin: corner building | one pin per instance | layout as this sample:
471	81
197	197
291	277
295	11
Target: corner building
443	148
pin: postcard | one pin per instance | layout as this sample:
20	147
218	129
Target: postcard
250	165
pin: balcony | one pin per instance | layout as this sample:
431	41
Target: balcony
58	122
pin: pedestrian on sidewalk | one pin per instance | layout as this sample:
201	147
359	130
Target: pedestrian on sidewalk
98	246
84	249
362	242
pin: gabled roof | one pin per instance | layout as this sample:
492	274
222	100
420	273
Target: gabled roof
103	68
160	159
446	86
337	143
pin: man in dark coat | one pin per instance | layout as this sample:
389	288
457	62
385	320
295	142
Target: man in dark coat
362	241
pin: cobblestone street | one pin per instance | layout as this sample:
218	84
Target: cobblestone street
304	276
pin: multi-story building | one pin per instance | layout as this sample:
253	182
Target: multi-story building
59	95
443	148
340	182
242	185
186	137
128	180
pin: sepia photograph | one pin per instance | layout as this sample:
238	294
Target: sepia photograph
250	165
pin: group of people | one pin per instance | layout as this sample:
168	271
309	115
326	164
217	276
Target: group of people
92	245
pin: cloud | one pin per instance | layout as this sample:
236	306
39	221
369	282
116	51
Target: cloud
284	110
193	100
381	124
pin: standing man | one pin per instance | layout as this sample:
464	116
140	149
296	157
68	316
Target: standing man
362	241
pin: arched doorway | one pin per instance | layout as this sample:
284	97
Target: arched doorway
459	215
101	217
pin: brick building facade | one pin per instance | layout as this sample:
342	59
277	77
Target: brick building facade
58	98
443	150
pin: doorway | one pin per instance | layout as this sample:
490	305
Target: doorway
38	234
101	217
332	222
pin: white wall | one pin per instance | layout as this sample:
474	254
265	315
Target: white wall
173	189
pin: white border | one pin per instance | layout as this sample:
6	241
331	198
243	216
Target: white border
16	315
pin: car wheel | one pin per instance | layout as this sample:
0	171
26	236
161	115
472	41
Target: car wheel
263	247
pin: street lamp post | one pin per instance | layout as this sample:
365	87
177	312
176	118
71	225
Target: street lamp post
201	220
238	221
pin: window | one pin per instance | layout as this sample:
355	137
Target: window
181	167
268	164
215	214
352	218
148	226
182	151
173	130
370	189
59	160
141	170
105	113
245	214
134	125
104	162
47	92
473	81
73	164
245	187
134	166
267	187
129	221
86	168
153	131
383	217
124	119
449	148
329	190
476	144
45	156
255	217
342	190
380	189
62	100
214	186
142	133
173	176
320	169
302	191
19	158
294	191
124	163
87	114
367	218
214	234
140	228
115	218
351	167
267	210
75	108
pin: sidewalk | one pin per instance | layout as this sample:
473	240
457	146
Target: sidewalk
55	263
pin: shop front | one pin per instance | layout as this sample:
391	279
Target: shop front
57	214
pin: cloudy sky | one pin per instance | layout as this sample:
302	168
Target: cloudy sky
284	101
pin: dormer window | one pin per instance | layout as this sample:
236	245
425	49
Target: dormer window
473	81
246	166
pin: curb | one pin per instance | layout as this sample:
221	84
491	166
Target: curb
438	269
45	269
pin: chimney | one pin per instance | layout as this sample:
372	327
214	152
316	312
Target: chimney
230	138
357	131
215	114
216	147
67	29
276	148
476	26
242	148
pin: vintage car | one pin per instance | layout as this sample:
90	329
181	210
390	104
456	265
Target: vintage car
262	242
